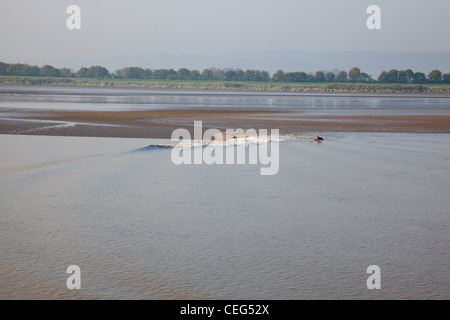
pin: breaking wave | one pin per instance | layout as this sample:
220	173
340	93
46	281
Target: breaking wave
236	140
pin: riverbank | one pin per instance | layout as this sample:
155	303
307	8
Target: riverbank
310	87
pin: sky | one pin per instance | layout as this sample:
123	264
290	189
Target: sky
31	29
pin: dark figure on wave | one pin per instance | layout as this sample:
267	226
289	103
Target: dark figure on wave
318	139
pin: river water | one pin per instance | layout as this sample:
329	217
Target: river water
141	227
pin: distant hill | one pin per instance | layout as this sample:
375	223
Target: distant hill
371	62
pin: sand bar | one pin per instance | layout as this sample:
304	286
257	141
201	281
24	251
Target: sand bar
161	123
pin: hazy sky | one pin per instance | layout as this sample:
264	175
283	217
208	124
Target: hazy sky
31	29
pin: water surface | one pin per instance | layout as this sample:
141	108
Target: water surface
141	227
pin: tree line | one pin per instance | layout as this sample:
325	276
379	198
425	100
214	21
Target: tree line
354	75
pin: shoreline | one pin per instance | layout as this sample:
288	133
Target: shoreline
234	86
59	89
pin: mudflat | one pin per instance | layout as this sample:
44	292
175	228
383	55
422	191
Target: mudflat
161	123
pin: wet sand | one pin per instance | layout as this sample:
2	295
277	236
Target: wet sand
160	124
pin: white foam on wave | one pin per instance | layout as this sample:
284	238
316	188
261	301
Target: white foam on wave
235	140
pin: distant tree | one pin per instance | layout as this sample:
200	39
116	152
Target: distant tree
171	74
13	69
392	76
320	76
420	77
383	77
130	73
35	71
302	76
364	77
410	76
160	74
148	74
9	70
330	77
184	74
218	74
97	72
65	72
20	69
137	73
342	76
296	77
249	75
82	73
446	78
354	74
195	75
310	77
291	76
23	69
402	77
230	75
435	76
240	75
3	67
278	76
207	74
258	75
49	71
31	71
264	76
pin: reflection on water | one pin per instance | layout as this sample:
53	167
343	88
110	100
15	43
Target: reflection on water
141	227
116	99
